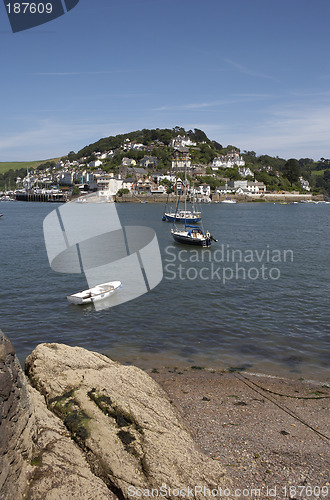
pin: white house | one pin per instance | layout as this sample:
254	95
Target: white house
95	164
245	186
224	189
128	162
304	184
105	155
245	172
228	161
179	142
204	189
256	187
237	184
128	183
149	161
66	178
158	189
109	183
133	146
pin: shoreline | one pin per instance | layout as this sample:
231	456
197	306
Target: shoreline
253	198
170	360
258	436
270	432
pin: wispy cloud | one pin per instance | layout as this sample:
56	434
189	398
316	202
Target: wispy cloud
248	71
78	73
233	99
190	106
290	131
255	95
51	138
312	93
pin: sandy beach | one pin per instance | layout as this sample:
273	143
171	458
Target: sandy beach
272	433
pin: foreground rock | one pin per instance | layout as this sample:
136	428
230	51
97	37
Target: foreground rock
38	459
122	420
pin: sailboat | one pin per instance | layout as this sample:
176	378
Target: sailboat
180	215
183	215
192	234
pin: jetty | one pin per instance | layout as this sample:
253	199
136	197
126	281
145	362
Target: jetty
60	197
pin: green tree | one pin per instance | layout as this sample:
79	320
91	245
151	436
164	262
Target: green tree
123	191
234	175
291	170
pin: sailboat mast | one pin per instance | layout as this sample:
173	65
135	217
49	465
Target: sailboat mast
185	187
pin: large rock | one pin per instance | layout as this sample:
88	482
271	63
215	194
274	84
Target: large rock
38	458
131	434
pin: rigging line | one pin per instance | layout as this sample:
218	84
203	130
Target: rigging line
285	409
284	395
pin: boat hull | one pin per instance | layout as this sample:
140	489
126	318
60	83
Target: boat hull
188	240
193	218
95	294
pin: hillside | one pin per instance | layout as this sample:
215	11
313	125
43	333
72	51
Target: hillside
10	170
18	165
277	173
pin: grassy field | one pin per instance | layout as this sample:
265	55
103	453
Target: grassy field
318	172
15	165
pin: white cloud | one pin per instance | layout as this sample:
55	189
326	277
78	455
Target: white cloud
292	131
79	73
49	138
248	71
187	107
234	99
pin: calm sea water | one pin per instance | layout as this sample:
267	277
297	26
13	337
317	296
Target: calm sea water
268	310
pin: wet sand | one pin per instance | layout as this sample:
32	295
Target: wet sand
272	433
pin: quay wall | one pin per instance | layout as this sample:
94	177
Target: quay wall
43	197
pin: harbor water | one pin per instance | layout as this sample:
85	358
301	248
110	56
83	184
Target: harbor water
258	299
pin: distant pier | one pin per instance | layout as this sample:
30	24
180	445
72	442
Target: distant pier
43	197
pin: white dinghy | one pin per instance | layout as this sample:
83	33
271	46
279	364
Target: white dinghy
98	292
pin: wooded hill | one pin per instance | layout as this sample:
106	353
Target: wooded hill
283	174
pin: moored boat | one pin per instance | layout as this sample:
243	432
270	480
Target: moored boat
183	216
192	235
94	294
228	200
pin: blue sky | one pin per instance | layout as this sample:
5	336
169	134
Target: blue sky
251	73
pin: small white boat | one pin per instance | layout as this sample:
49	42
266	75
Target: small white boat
228	200
98	292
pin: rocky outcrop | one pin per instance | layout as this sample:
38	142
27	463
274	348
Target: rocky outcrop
38	458
122	420
91	429
16	427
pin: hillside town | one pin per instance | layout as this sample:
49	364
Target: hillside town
227	174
